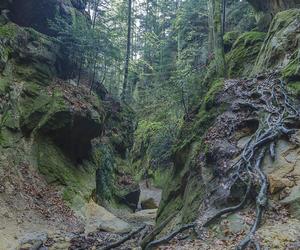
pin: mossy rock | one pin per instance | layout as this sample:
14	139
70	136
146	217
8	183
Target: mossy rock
211	96
4	85
77	180
36	107
244	52
32	55
294	88
281	44
292	71
229	39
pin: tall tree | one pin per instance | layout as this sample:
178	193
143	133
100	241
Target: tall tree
126	68
217	28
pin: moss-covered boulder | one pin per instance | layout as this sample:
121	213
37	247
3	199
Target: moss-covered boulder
243	54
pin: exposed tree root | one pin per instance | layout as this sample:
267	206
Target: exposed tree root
167	238
156	231
278	112
279	109
122	240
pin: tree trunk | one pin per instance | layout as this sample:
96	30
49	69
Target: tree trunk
125	83
219	55
224	17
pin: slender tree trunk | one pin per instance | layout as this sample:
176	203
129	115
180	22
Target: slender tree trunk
93	77
219	55
79	70
224	17
210	28
125	83
96	5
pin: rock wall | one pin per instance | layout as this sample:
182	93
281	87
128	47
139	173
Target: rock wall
221	126
53	127
274	6
39	14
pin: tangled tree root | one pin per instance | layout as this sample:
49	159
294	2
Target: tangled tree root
122	240
278	111
167	238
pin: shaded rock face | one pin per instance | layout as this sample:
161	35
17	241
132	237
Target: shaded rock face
281	49
62	117
37	14
282	42
274	6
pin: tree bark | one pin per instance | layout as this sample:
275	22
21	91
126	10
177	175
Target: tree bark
218	46
126	68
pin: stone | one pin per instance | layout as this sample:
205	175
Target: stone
149	204
279	235
150	196
98	218
233	224
147	216
277	184
293	202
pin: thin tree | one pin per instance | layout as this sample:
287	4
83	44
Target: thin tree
126	68
218	46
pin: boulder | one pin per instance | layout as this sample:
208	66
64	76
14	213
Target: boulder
293	201
149	204
97	217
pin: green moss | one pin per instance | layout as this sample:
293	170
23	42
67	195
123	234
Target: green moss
193	130
105	177
160	177
77	181
8	31
147	129
210	97
294	87
292	71
37	108
4	85
243	55
229	39
282	39
184	191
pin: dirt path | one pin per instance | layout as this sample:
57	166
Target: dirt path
33	226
